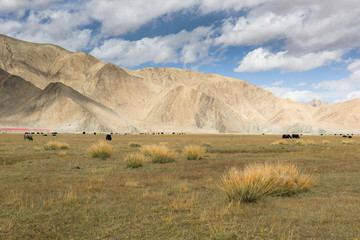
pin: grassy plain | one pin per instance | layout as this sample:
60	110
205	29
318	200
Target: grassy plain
71	195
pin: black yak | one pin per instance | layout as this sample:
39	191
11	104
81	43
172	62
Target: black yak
286	136
29	137
108	137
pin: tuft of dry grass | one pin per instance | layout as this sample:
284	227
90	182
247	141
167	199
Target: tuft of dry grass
301	142
36	148
347	142
134	160
101	150
193	152
62	153
134	144
281	142
325	142
259	180
158	153
53	145
310	142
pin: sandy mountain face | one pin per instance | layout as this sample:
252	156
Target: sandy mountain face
45	86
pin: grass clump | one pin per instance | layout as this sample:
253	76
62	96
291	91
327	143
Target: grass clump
62	153
134	160
301	142
134	144
101	150
259	180
280	142
194	152
53	145
158	153
325	142
36	148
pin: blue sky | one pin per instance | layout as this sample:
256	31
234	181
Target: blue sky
299	49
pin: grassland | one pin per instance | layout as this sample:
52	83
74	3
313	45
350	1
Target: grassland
47	195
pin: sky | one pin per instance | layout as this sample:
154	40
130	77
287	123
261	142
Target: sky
298	49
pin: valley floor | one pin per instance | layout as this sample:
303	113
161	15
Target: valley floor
67	194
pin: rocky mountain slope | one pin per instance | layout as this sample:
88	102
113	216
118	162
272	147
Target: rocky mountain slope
46	86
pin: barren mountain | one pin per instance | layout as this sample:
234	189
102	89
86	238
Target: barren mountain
45	86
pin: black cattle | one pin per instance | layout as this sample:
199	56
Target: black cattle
84	132
349	136
286	136
344	136
29	137
295	136
108	137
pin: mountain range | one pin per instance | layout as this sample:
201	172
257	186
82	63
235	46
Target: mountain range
46	86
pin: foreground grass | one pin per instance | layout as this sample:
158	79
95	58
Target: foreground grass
259	180
47	196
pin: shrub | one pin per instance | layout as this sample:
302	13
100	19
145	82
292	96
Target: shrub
53	145
134	160
194	152
259	180
134	144
158	153
101	150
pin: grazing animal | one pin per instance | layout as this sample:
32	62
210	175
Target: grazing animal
94	133
286	136
29	137
295	136
349	136
108	137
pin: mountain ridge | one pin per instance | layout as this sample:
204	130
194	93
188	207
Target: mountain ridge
105	97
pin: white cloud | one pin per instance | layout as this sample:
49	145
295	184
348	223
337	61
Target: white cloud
122	16
346	84
184	46
262	60
301	84
257	30
277	83
20	6
298	96
60	27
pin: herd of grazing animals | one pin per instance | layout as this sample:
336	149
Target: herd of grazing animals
28	136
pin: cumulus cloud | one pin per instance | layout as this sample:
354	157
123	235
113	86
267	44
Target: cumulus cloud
19	7
346	84
184	46
295	95
262	59
122	16
60	27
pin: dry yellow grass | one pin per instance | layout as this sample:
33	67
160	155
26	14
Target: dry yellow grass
134	160
347	142
53	145
37	148
259	180
158	153
281	142
101	149
325	142
62	153
134	144
301	142
193	152
310	142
